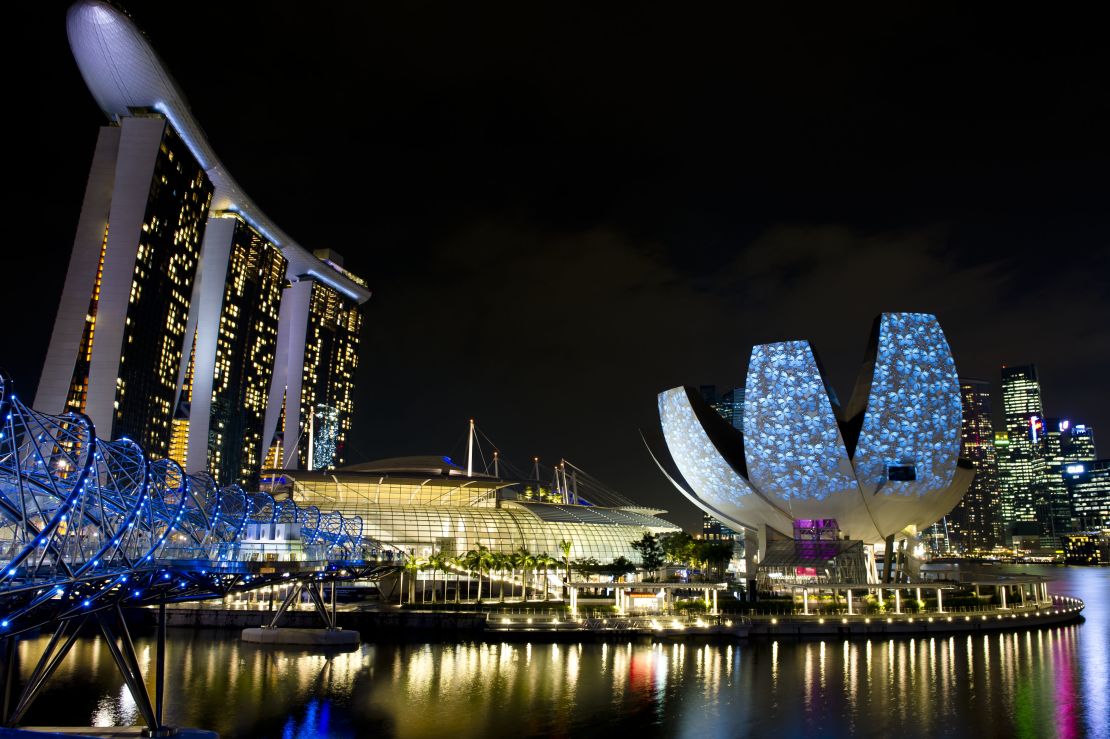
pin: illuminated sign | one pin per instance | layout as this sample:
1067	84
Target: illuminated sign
1035	426
1075	469
1065	425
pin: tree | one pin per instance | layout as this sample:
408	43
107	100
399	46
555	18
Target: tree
437	562
677	547
477	560
526	561
412	566
565	546
545	561
652	555
501	562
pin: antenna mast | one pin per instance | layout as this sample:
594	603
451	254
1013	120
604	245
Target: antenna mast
470	451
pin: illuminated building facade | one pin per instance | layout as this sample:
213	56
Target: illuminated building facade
886	463
234	350
425	505
170	326
1088	485
312	396
1024	421
119	333
974	521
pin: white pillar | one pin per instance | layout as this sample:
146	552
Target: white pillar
1023	594
850	612
1002	589
714	602
897	600
805	601
940	602
573	600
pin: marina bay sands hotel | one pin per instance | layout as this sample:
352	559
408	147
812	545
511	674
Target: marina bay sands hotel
190	322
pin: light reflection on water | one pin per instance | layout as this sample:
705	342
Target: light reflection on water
1053	682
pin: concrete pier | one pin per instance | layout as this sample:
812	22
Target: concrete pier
302	637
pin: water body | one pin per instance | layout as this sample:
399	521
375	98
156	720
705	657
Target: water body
1042	683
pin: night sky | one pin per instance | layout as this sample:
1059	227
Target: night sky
563	212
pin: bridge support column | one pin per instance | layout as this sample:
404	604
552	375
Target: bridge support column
51	658
850	612
127	663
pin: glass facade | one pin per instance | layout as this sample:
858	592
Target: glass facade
158	308
455	514
974	522
79	386
327	382
1022	408
245	353
1088	484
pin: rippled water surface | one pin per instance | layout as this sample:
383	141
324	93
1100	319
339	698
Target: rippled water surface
1041	683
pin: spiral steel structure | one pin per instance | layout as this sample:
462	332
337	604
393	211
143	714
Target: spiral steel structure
87	524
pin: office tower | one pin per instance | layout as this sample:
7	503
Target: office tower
169	327
313	388
713	530
1024	422
1053	503
118	338
729	404
1089	486
1080	444
973	523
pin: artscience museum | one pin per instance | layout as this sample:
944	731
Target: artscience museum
885	464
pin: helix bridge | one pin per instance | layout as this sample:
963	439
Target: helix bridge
89	527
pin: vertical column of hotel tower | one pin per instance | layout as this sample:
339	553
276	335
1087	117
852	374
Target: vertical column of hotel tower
69	324
208	295
138	150
289	370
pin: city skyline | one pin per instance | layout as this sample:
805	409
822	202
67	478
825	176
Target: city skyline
607	287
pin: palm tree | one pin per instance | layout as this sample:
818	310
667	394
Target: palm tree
473	561
526	561
565	546
412	565
502	562
437	562
456	563
545	561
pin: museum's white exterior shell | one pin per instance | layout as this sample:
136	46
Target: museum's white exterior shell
802	456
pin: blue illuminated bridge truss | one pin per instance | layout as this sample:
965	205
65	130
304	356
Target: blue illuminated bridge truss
88	526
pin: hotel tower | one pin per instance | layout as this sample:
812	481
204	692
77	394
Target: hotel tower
189	321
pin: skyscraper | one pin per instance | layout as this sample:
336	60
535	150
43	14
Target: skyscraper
234	346
311	399
974	521
1053	501
172	328
1089	486
119	333
1021	465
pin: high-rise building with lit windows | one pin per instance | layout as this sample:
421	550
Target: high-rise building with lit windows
1081	444
1024	424
974	521
1089	486
119	333
183	303
234	350
312	396
1054	508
